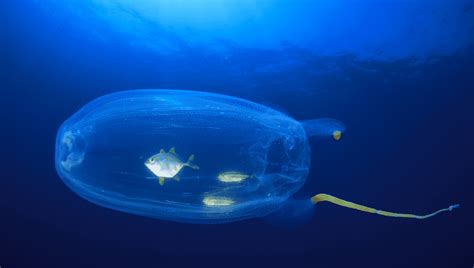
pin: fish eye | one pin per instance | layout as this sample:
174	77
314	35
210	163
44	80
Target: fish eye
152	160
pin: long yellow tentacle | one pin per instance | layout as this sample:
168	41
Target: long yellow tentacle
340	202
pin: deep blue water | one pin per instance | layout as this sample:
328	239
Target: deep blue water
399	74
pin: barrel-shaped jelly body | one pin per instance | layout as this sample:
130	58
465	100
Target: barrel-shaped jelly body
101	152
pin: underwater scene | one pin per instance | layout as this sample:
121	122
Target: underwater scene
237	133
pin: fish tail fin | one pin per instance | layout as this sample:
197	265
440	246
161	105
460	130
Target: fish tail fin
190	164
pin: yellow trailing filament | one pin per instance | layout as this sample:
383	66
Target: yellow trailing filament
343	203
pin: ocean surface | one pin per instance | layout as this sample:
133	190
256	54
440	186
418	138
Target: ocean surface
399	74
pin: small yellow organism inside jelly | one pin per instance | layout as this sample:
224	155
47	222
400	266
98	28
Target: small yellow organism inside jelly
217	201
232	176
167	165
337	134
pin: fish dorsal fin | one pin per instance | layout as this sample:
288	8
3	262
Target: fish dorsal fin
162	151
172	151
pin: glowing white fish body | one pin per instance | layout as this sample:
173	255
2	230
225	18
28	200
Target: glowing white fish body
167	165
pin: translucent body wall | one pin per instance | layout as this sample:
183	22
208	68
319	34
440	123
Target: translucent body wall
251	158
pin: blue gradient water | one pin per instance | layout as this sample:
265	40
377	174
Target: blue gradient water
399	74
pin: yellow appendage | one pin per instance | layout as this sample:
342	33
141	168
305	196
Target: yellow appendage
340	202
336	135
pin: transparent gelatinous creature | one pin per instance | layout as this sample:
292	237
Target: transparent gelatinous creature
251	158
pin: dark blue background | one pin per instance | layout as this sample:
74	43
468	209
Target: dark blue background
408	147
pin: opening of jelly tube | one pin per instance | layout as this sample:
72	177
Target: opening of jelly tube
71	149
